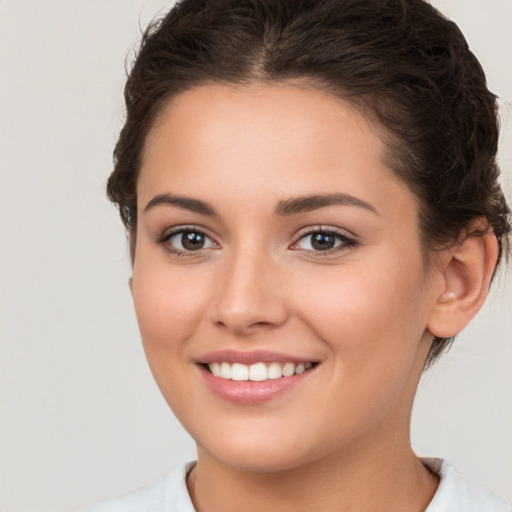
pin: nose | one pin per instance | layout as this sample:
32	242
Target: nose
249	295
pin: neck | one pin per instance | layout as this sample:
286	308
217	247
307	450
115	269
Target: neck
385	478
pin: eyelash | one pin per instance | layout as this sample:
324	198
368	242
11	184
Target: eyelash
346	242
164	239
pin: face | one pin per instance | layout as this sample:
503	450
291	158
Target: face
278	279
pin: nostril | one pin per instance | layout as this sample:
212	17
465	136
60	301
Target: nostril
261	324
239	326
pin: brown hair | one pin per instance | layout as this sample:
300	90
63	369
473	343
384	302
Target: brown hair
399	61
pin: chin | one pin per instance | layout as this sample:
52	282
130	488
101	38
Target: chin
258	454
260	462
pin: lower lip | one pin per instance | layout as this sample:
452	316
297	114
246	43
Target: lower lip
251	392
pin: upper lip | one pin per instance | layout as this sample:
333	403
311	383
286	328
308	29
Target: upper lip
250	357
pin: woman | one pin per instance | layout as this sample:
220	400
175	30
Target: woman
311	194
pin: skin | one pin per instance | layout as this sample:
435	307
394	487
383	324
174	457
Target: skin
365	312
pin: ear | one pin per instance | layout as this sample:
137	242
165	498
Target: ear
467	270
130	284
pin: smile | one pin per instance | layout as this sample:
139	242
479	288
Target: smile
253	377
256	372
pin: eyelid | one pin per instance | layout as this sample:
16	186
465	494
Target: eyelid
349	239
324	228
167	234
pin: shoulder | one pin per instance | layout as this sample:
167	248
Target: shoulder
168	494
457	494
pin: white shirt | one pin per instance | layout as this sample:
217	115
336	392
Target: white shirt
454	494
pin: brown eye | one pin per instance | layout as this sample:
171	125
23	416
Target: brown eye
192	240
187	240
323	241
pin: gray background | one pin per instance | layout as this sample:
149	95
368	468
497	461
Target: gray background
81	418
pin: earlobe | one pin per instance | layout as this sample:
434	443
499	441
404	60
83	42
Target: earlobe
466	274
130	284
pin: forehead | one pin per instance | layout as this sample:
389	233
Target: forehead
284	113
265	141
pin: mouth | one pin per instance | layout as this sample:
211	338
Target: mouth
257	372
253	377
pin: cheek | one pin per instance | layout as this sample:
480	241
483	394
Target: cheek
369	312
372	322
168	307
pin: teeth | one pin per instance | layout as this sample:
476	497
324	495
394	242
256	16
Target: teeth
239	371
215	369
274	371
288	369
225	371
258	371
300	368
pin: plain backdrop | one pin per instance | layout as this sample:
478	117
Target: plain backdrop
81	418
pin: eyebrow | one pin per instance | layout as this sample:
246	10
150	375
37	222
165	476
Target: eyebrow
304	204
186	203
284	208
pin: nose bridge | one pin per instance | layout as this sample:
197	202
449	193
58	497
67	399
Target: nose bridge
247	295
